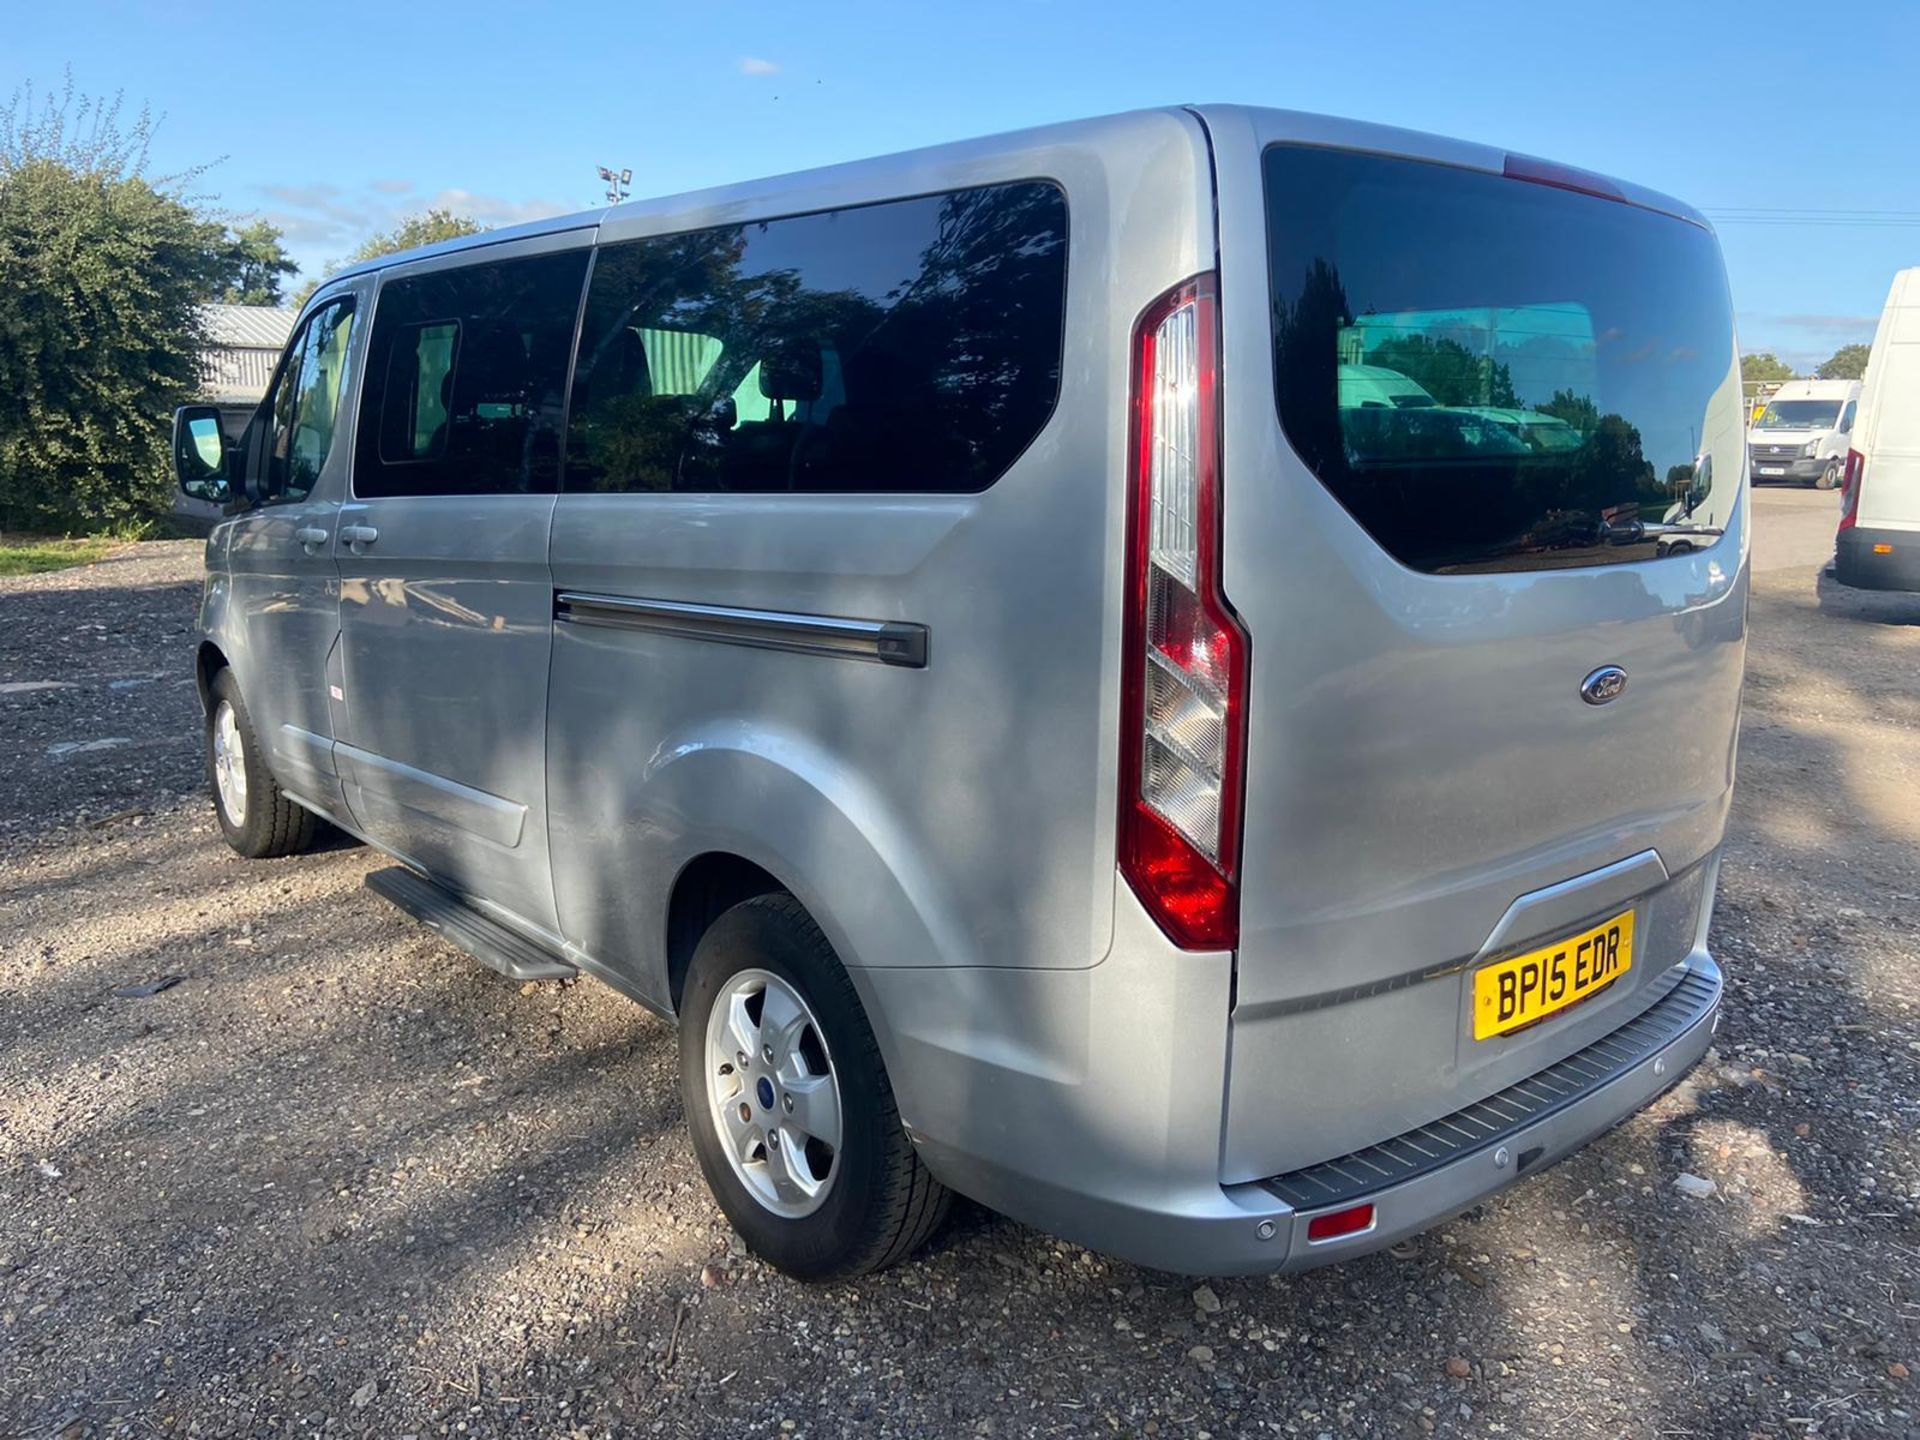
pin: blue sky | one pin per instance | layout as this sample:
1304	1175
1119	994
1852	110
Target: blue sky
504	111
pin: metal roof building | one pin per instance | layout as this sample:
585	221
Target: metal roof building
245	342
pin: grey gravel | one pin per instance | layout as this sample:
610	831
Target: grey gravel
339	1180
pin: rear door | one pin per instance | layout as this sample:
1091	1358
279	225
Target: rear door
1430	573
446	600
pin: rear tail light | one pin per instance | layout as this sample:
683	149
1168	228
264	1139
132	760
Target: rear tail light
1856	471
1183	722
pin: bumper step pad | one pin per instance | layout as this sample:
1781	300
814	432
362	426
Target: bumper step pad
1490	1121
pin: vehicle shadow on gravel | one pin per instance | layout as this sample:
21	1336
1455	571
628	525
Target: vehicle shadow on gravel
1873	607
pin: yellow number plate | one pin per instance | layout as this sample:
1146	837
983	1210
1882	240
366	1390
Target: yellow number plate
1530	987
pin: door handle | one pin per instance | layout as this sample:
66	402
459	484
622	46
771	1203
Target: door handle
310	536
358	536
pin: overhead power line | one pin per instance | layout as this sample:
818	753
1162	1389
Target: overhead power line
1793	215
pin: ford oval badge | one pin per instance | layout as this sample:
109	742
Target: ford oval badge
1603	685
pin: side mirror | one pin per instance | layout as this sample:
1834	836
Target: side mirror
200	454
1702	485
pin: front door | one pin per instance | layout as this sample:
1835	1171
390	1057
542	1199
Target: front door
446	597
279	558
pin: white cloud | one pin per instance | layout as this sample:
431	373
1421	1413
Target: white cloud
1803	341
754	65
320	222
1848	325
492	210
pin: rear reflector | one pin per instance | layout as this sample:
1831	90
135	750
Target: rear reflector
1883	549
1338	1224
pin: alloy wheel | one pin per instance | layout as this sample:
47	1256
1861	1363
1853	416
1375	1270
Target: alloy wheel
772	1094
230	764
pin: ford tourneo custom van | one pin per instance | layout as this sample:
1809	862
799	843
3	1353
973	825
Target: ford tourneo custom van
1878	544
1175	674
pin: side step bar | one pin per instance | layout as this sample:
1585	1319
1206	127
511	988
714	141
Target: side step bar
465	928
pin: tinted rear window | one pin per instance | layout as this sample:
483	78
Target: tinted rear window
1497	375
907	346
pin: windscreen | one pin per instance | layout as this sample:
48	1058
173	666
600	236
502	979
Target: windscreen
1491	374
1798	415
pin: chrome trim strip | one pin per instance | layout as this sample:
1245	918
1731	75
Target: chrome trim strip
374	781
887	642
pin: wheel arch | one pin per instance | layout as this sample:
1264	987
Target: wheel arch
707	886
732	811
208	661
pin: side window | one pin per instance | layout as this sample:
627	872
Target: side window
911	346
305	408
1845	427
466	379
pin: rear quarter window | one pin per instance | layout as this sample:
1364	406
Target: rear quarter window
909	346
1498	375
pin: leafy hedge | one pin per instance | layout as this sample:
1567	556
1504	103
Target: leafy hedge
101	276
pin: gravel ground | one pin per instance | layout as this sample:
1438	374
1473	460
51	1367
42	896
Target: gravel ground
340	1179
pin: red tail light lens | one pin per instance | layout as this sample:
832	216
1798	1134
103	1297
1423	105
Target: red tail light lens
1183	722
1856	471
1338	1224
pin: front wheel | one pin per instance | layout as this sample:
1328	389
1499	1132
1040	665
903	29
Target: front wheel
1829	477
256	818
792	1114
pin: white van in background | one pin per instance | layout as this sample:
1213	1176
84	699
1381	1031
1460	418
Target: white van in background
1878	547
1802	433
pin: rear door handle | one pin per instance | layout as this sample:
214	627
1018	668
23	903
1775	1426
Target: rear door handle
310	536
358	535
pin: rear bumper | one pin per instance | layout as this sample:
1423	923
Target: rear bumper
1413	1181
1895	566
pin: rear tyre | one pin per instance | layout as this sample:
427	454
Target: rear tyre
1829	477
256	818
793	1117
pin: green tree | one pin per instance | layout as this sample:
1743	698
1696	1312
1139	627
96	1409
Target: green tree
413	232
259	262
1849	362
1579	411
1447	370
428	228
102	273
1765	368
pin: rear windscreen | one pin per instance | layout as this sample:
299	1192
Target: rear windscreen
1492	374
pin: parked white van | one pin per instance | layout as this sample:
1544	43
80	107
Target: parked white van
1174	674
1801	434
1878	547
